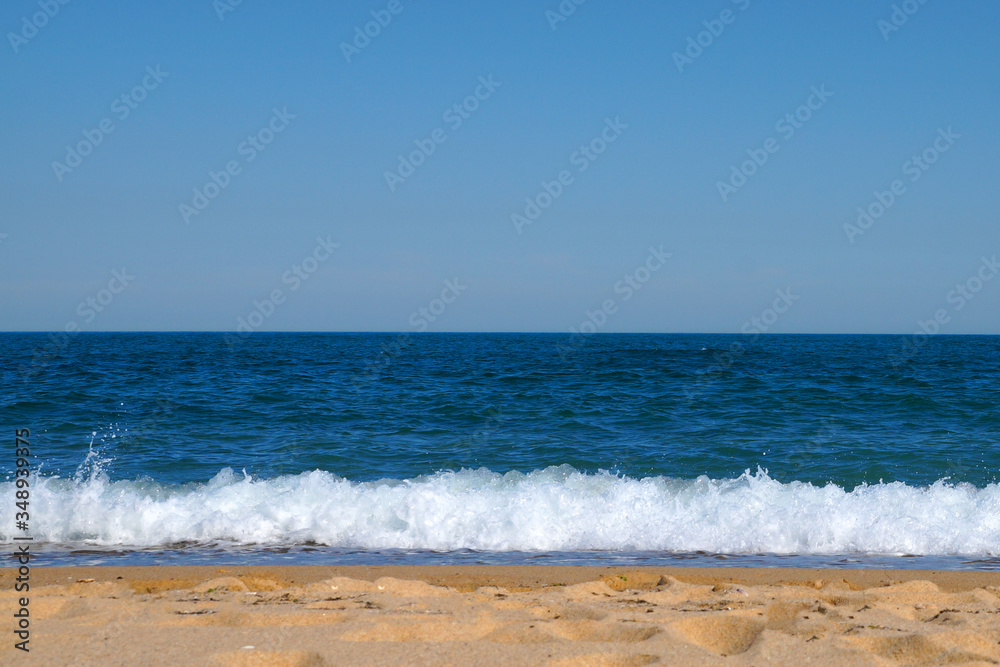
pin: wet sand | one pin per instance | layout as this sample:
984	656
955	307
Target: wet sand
532	615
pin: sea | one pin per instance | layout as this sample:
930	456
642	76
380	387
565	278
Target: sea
434	448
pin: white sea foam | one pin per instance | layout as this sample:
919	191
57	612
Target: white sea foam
557	509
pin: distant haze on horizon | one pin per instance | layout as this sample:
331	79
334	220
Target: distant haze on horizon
406	166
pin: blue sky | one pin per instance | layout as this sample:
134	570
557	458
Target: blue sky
345	122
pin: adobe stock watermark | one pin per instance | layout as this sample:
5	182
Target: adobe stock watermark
752	329
626	288
562	12
420	320
294	278
713	30
581	158
3	237
363	35
901	13
31	25
87	310
915	167
957	299
223	7
121	107
248	149
786	126
454	116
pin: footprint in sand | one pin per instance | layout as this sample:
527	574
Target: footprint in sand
725	635
917	649
596	631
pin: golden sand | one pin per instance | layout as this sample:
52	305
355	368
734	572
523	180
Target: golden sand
486	615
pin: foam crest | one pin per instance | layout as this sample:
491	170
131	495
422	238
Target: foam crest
557	509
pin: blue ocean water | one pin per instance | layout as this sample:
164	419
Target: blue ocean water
878	451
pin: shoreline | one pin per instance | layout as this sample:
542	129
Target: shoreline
521	577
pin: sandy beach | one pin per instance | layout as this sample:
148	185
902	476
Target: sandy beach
194	615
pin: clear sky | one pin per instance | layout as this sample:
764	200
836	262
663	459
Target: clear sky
310	127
